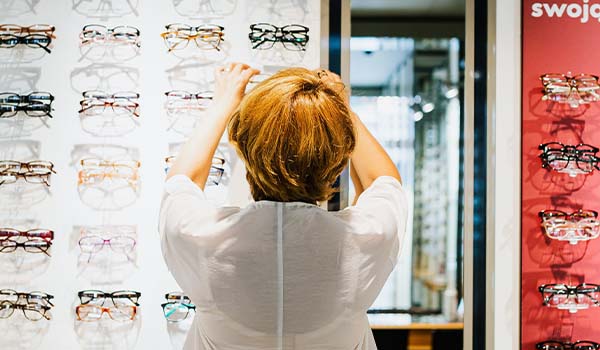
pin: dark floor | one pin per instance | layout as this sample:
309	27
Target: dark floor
397	340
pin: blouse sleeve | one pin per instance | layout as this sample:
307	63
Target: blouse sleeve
186	225
379	219
182	203
385	206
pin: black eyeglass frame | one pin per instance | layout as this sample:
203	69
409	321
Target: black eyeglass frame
574	216
36	96
559	345
8	41
569	153
130	295
10	111
569	291
298	38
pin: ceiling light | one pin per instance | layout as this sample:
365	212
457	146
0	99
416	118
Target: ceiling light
428	107
418	116
451	93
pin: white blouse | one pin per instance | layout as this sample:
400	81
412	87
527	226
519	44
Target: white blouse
281	275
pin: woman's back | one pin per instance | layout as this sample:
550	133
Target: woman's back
289	272
283	273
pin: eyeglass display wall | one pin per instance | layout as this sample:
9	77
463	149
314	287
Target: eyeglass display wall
92	104
560	135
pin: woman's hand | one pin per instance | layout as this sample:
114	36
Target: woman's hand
230	85
336	83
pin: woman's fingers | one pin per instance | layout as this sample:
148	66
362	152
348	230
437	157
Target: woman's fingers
248	73
233	67
327	75
239	67
334	81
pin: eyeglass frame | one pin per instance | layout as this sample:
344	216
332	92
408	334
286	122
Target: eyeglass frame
105	295
201	32
573	224
28	109
107	310
178	298
571	83
202	95
103	163
44	178
29	166
22	29
566	345
279	36
568	291
547	214
85	175
106	241
216	169
30	307
48	234
132	38
43	248
25	40
112	104
103	95
27	98
27	296
569	153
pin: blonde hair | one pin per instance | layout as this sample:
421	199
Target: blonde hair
295	135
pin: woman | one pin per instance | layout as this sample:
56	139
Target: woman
283	273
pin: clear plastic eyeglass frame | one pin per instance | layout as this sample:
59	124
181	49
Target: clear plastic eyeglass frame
95	171
181	101
120	35
207	37
576	227
572	90
96	102
120	239
92	313
215	173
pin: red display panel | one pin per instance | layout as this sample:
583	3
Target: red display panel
558	37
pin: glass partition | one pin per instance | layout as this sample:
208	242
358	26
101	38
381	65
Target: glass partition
410	98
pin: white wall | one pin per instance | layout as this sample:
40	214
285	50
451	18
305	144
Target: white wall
62	140
504	111
503	202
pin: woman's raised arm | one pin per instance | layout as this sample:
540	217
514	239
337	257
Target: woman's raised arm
195	157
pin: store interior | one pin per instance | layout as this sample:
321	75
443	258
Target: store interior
405	64
411	99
